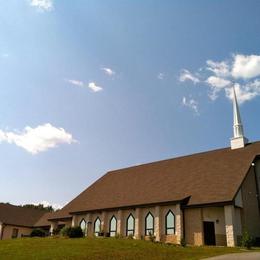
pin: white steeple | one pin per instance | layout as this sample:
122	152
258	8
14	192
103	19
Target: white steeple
238	140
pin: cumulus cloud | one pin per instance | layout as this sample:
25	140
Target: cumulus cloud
42	5
191	103
187	75
241	71
38	139
161	76
244	92
220	69
108	71
246	67
93	86
45	203
218	82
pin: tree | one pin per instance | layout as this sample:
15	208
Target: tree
39	206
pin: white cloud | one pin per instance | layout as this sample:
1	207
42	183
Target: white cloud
75	82
47	204
161	76
246	67
39	139
240	70
187	75
220	69
94	87
42	5
91	85
108	71
217	82
244	92
191	103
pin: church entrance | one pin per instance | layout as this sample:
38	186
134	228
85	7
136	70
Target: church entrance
209	233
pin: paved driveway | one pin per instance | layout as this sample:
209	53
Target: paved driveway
239	256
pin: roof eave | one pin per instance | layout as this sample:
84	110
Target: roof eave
60	219
181	201
210	204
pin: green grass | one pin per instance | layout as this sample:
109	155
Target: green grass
102	248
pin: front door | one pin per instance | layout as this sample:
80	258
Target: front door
209	233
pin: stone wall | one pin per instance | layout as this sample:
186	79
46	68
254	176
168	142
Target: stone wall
158	212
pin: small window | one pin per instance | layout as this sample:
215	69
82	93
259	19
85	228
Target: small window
83	225
149	224
15	232
113	226
97	227
170	223
130	225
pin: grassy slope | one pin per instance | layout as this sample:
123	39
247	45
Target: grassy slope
101	248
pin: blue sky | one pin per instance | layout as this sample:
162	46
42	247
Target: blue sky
91	86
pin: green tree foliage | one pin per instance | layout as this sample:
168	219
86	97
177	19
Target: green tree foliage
39	206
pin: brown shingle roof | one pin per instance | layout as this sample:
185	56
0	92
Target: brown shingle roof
43	220
20	216
208	177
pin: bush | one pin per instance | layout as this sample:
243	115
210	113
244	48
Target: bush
56	231
72	232
183	242
131	236
118	236
151	237
38	233
247	241
65	231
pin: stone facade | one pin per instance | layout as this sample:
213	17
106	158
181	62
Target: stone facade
139	214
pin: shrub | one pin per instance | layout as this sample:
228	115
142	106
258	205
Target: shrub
56	231
247	241
72	232
65	231
183	242
118	236
151	237
38	233
76	232
131	236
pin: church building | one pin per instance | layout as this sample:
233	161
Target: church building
208	198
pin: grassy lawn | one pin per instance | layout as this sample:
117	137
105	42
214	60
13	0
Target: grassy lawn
102	248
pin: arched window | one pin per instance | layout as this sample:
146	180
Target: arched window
97	226
130	225
113	226
170	223
83	225
149	224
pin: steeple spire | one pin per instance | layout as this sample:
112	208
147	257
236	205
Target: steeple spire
238	140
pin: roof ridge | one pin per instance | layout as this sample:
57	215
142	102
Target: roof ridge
175	158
